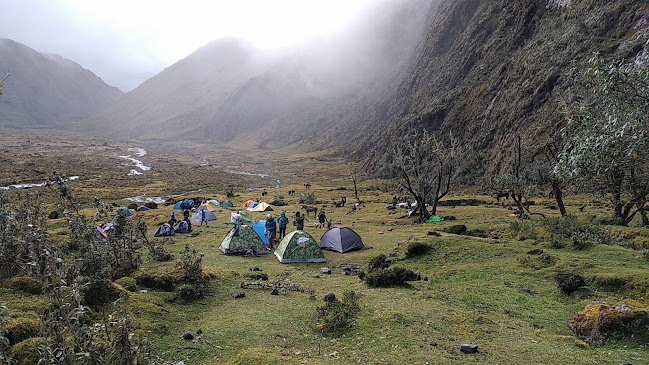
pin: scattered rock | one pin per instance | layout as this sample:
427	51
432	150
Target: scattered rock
329	298
199	332
433	343
188	336
389	229
53	215
274	291
325	270
434	234
350	269
239	294
312	297
380	232
469	348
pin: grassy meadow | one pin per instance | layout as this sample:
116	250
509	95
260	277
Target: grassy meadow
484	289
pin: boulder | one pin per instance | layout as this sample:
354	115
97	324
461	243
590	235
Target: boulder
53	215
325	270
151	205
188	336
469	348
329	298
601	320
239	294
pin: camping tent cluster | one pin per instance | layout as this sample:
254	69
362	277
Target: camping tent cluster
254	206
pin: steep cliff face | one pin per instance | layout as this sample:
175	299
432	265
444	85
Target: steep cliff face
488	70
44	89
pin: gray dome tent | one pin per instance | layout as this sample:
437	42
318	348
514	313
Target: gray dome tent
341	239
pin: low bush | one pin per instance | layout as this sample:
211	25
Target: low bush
99	292
569	282
378	262
455	229
154	281
127	283
190	292
25	284
393	276
336	316
21	329
522	230
417	249
26	352
157	252
540	261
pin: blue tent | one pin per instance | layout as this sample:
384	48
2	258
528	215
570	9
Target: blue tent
260	228
177	205
189	203
252	205
125	211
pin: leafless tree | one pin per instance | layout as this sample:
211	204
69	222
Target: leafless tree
426	166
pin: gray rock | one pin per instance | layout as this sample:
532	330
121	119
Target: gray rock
239	294
274	291
469	348
188	336
325	270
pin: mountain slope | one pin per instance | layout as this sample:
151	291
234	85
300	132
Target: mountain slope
45	89
489	70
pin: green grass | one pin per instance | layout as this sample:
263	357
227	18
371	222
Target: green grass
479	290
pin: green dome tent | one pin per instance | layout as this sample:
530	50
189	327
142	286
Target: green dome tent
227	204
299	246
240	239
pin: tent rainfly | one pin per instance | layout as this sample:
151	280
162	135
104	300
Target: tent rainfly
164	230
227	204
209	216
341	239
240	239
299	246
262	207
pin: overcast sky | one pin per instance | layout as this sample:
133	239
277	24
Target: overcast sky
127	41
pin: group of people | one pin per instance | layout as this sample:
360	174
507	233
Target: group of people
273	226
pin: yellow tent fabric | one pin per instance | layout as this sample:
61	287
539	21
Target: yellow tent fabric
212	205
262	207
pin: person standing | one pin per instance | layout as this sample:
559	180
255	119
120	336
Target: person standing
282	222
203	217
271	228
322	218
299	221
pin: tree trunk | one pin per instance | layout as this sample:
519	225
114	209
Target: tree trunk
355	189
558	196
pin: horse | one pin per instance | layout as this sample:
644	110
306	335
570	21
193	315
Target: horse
309	209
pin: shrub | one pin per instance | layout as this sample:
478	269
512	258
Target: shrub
25	284
127	283
21	329
522	230
378	262
157	252
98	292
599	321
455	229
191	264
393	276
335	316
542	260
417	249
26	352
191	291
569	282
154	281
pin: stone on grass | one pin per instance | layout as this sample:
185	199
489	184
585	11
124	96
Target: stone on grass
239	294
600	320
325	270
274	291
188	336
329	297
469	348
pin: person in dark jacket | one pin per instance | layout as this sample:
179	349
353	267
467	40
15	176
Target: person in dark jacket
322	218
203	217
299	221
271	229
282	222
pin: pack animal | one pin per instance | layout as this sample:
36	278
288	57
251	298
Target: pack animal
310	209
502	194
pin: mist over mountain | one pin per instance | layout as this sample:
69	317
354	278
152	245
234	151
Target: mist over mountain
227	89
490	70
45	89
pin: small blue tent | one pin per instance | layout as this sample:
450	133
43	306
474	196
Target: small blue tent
260	228
125	211
252	205
177	205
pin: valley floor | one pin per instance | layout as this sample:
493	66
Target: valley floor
484	289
